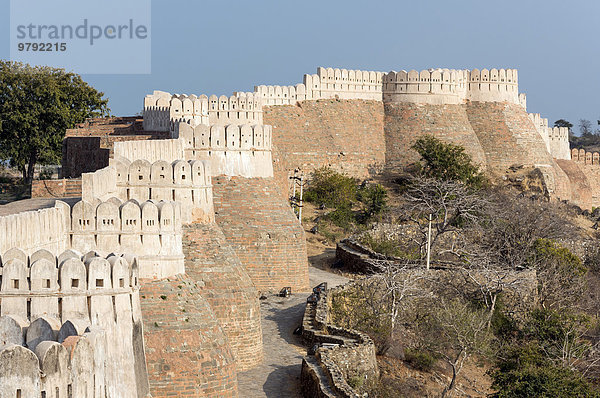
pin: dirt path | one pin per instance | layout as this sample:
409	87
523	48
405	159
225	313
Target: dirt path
279	375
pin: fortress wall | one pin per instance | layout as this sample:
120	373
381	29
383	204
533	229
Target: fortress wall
187	352
259	225
559	142
226	286
325	84
34	230
589	164
48	302
509	137
494	85
346	135
556	138
187	183
434	86
163	111
405	122
151	230
151	151
582	191
343	83
233	150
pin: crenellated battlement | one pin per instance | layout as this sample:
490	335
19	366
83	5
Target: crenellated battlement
32	286
278	95
34	230
151	229
234	150
450	86
581	156
556	138
493	85
186	182
433	86
164	111
70	325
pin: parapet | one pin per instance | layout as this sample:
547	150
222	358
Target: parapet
494	85
430	86
232	150
581	156
450	86
326	83
34	230
55	288
151	229
556	138
67	325
186	182
163	111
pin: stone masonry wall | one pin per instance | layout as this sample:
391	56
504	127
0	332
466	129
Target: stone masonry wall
344	134
187	352
509	137
89	146
225	284
583	184
405	122
261	228
342	354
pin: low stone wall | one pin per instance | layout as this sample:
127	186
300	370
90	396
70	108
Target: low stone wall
342	354
520	287
356	257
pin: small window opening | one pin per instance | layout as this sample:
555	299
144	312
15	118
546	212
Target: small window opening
47	283
16	286
99	282
74	283
121	282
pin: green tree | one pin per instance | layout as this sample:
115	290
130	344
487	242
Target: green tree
522	370
563	123
37	105
446	161
331	189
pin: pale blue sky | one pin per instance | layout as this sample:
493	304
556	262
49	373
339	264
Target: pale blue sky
224	46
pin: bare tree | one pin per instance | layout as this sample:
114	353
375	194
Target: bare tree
455	331
397	283
452	204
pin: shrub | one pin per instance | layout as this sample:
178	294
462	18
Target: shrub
522	370
389	247
374	197
446	161
331	189
420	360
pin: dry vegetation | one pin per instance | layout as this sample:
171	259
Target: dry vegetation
438	338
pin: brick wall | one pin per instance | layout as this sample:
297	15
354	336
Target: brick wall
405	122
261	228
187	352
344	134
62	188
225	284
88	147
